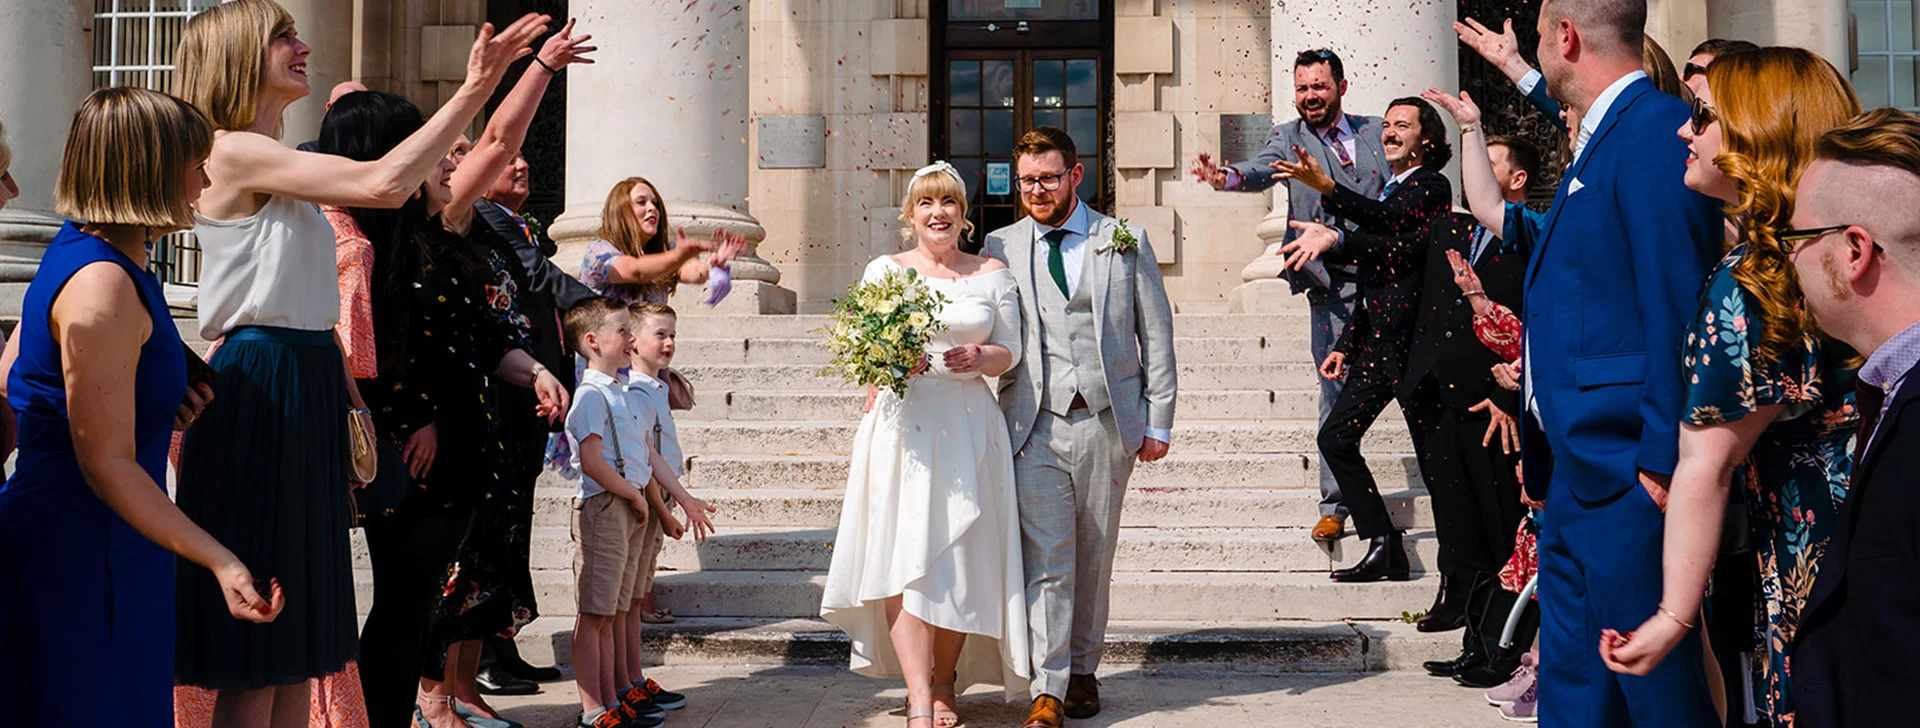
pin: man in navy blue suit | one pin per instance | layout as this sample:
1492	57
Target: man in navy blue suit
1612	284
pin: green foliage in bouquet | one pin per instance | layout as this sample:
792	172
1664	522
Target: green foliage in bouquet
881	329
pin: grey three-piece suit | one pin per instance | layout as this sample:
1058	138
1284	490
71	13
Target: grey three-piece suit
1111	344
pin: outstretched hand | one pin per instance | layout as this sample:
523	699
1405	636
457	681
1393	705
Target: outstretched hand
493	52
1206	171
1308	171
1500	49
1462	108
1314	239
565	49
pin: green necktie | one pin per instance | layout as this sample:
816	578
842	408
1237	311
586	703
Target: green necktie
1055	264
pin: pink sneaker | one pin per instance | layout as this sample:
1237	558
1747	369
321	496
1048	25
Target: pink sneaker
1522	709
1511	690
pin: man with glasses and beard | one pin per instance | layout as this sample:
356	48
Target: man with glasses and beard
1348	147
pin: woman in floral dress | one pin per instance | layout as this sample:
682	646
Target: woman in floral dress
1769	402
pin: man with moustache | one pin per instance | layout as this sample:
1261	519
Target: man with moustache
1348	146
1610	290
1092	391
1858	259
1395	234
545	293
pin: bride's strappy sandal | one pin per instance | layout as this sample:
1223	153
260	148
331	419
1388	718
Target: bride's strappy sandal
925	711
945	718
420	715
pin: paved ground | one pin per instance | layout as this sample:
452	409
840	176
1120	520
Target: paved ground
813	697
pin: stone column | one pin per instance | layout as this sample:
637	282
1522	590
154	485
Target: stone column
1817	25
327	26
46	49
666	99
1389	50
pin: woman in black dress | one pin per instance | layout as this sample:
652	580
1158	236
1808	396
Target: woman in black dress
447	334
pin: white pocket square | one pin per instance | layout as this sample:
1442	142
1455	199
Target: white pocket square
1575	186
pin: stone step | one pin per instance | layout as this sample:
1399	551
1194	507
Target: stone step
1179	470
1292	646
1145	507
845	404
707	439
1198	325
765	548
1270	375
810	350
1190	596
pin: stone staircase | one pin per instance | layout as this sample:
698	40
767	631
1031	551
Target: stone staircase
1215	567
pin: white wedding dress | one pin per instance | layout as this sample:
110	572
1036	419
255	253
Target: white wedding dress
930	511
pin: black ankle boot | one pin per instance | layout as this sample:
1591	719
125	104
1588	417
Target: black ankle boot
1470	659
1386	559
1449	611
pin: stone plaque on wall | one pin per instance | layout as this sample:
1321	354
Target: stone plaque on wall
793	142
1242	136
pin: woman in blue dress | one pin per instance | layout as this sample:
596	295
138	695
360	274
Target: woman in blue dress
1770	402
97	376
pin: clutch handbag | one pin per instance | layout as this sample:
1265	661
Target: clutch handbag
366	457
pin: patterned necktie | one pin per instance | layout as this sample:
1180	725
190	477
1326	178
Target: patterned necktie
1339	150
1056	264
522	222
1387	191
1868	399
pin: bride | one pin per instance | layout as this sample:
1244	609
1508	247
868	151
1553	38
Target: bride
926	573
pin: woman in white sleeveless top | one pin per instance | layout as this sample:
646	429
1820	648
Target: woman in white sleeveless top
265	469
926	573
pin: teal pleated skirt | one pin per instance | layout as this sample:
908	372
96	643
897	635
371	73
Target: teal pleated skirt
265	470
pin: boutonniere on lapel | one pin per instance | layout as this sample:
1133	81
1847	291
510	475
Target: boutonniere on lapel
1120	240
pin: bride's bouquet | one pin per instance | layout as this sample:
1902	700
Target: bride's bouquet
881	329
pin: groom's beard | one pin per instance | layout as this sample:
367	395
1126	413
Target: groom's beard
1055	217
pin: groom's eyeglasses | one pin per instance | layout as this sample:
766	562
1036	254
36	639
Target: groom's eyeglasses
1048	182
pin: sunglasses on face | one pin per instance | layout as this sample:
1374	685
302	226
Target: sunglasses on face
1703	116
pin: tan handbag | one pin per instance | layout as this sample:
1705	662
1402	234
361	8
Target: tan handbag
366	458
679	390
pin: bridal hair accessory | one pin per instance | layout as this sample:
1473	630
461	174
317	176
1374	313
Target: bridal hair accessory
941	166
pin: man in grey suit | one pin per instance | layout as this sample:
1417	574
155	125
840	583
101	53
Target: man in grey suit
1348	147
1092	392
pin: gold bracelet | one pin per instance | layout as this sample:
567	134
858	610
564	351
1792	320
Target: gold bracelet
1668	613
1469	129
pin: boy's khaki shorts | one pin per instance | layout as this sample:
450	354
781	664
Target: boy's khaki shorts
606	564
646	547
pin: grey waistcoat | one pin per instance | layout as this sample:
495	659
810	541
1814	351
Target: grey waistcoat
1067	333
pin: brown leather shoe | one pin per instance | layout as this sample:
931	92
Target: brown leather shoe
1329	529
1045	713
1083	697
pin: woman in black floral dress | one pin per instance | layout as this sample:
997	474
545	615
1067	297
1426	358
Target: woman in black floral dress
447	334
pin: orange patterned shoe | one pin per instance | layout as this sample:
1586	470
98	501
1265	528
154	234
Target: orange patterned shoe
664	699
1045	713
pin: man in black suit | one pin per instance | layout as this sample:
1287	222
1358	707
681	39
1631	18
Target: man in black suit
545	293
1463	421
1856	657
1389	250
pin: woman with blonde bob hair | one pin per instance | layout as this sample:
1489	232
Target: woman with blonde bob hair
266	471
634	262
926	575
98	377
1769	401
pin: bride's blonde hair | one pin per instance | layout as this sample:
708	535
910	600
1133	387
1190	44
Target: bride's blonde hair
933	187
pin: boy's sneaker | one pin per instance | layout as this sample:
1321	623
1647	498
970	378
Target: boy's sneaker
662	698
1511	690
637	699
1522	709
630	718
607	719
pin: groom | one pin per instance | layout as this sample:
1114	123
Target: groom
1092	390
